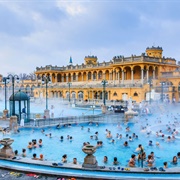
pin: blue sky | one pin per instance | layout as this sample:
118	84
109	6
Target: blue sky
36	33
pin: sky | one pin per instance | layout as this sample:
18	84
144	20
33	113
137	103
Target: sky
35	33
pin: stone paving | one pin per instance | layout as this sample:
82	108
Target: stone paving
14	175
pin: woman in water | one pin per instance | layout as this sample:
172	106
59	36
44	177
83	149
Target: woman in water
174	161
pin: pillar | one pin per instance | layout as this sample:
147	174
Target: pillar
132	76
67	78
62	78
147	75
92	78
77	77
104	76
122	76
153	73
110	74
142	75
114	75
72	78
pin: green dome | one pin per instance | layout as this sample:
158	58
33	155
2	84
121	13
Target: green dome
19	96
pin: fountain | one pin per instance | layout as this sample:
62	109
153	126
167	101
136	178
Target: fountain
7	150
130	113
89	160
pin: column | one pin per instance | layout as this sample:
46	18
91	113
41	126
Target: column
118	76
92	78
114	75
82	77
147	75
62	78
122	76
132	76
56	80
142	75
153	74
67	78
110	76
86	76
104	75
71	77
76	77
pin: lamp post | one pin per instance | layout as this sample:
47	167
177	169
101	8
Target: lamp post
104	83
5	82
69	86
162	86
150	86
45	80
13	78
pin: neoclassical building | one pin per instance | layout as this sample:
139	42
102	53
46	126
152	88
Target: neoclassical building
126	77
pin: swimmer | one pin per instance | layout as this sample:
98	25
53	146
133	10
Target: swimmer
41	158
168	139
40	142
115	162
109	135
64	158
150	143
30	145
139	148
178	155
130	138
35	157
165	165
88	129
174	161
61	138
23	152
112	141
157	144
125	144
74	161
105	160
150	161
132	161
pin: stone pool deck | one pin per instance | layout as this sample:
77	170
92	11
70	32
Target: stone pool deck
120	174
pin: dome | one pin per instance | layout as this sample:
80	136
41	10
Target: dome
19	96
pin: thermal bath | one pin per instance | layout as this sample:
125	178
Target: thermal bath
145	127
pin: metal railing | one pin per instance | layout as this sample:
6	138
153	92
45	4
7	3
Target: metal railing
75	120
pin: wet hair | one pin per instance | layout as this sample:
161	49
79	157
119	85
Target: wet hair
178	154
34	155
23	150
115	158
16	152
133	155
165	163
64	156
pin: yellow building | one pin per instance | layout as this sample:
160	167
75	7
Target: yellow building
126	76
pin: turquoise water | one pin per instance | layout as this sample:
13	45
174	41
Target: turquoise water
53	148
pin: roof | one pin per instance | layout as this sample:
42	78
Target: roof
19	96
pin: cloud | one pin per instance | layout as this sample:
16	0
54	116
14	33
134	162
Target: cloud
38	33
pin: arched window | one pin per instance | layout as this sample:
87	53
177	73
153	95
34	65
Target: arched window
135	94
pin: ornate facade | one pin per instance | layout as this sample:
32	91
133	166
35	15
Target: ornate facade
126	76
